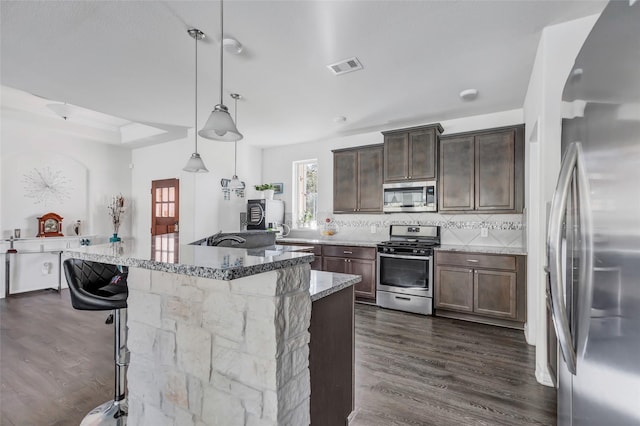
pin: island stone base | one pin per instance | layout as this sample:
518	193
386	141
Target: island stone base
214	352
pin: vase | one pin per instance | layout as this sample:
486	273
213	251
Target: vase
268	194
114	239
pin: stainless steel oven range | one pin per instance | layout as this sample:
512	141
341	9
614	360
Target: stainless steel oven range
405	268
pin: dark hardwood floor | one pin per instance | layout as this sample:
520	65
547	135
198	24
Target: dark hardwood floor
56	364
416	370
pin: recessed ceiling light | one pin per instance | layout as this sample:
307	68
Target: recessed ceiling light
468	94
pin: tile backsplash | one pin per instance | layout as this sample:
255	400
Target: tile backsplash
504	230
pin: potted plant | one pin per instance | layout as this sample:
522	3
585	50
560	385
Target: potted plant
267	190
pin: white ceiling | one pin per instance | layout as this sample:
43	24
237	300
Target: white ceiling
135	60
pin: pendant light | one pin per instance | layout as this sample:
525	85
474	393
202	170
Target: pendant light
220	126
235	183
195	163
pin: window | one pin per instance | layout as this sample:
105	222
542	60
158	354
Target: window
305	194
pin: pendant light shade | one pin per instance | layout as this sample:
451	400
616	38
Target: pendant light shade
195	163
220	126
235	183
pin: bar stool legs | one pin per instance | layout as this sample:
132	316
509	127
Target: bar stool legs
115	412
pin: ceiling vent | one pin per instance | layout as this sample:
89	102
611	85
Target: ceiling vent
345	66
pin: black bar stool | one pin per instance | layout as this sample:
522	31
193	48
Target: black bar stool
95	286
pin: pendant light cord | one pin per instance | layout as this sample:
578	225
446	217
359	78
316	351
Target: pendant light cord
221	48
235	143
196	96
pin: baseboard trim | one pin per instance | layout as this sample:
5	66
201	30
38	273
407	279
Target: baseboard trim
543	377
352	416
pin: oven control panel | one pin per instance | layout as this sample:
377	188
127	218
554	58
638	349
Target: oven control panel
421	251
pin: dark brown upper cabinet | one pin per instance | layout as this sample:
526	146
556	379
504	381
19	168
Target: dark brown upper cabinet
482	171
411	154
357	179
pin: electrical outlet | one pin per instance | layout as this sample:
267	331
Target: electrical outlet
484	232
373	229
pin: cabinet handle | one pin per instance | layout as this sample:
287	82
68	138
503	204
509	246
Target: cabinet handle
472	260
402	298
347	252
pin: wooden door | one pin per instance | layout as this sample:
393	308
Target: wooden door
335	264
367	269
165	206
457	175
494	293
345	181
494	170
422	154
370	179
396	157
454	288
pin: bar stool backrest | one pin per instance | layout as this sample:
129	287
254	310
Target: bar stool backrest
90	285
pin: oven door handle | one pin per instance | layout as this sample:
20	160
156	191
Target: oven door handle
404	256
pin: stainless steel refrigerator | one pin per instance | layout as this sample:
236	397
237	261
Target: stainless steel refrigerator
593	243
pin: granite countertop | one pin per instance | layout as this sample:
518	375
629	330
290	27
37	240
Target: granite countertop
325	283
329	241
221	263
444	247
484	249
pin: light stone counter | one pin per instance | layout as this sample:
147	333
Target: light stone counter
221	263
217	336
324	284
521	251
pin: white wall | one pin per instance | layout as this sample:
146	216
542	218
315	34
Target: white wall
208	212
277	161
92	173
558	48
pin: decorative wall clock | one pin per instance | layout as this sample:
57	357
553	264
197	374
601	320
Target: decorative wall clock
46	185
50	225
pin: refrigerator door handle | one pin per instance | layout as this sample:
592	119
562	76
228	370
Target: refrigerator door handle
554	258
585	289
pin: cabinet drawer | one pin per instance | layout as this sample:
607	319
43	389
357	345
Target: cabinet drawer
349	252
474	260
316	250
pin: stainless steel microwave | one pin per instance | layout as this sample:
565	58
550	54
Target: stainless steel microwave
410	197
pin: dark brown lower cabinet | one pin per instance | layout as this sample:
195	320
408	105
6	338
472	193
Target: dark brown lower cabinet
481	287
347	260
316	265
456	288
353	260
331	358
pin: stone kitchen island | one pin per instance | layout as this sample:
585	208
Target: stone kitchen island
222	336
